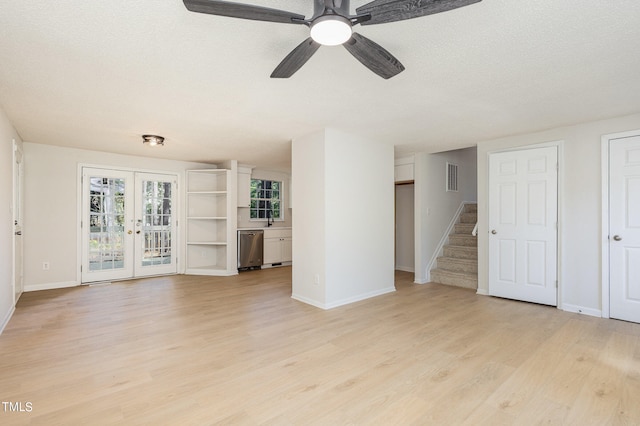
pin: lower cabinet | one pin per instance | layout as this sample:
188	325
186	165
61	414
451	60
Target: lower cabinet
277	246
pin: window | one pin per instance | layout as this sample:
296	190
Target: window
266	199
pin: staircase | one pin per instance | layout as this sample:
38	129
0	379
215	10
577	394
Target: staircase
459	264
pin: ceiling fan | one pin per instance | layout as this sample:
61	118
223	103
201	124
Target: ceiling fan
331	25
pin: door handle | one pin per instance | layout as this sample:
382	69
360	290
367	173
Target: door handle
617	238
18	232
494	232
129	232
137	232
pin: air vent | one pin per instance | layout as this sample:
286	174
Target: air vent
452	177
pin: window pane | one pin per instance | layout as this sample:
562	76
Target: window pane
265	199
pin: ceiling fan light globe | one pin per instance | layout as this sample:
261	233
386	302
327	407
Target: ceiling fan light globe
331	30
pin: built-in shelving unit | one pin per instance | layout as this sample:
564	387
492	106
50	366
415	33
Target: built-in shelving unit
210	211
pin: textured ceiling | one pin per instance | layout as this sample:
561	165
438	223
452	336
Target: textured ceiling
98	74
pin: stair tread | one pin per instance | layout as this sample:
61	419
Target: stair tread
458	259
470	275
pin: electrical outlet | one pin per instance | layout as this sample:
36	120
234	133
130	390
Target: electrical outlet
45	266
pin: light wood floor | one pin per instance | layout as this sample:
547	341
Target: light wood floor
197	350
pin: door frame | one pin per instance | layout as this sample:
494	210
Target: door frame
604	238
18	189
559	144
79	197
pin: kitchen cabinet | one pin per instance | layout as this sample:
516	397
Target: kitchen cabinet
244	187
277	246
208	227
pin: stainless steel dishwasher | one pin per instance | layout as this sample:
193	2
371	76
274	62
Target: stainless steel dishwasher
250	249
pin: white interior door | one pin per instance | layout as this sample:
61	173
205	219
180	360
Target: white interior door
18	185
128	224
624	229
155	224
523	199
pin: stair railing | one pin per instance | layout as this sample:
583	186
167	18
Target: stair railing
475	230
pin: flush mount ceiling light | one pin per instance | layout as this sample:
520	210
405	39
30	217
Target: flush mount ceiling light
331	30
152	140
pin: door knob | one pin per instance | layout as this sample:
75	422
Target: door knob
18	232
137	232
494	232
617	238
130	232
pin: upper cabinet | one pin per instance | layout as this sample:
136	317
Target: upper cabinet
244	186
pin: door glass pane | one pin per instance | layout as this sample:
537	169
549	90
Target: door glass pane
106	223
156	225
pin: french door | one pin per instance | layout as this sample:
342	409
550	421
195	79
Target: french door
523	215
624	228
128	224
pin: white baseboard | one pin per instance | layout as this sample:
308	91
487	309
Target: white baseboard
421	281
360	297
308	301
50	286
582	310
345	301
405	269
482	292
6	319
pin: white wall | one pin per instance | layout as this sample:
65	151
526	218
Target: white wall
51	208
7	135
435	207
579	207
308	170
343	226
359	217
405	234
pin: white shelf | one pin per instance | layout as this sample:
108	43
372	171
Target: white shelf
206	192
207	218
207	243
207	268
208	228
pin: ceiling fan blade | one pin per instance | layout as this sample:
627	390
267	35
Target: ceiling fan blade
373	56
244	11
296	59
383	11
